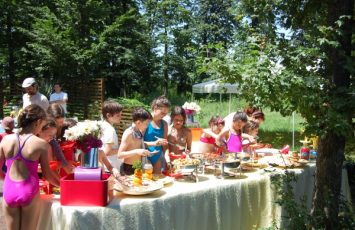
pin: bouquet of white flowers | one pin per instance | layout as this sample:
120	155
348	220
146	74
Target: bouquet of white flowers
191	108
86	134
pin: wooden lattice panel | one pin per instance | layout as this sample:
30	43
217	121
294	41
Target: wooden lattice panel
126	121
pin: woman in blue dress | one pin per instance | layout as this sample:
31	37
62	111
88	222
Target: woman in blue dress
155	136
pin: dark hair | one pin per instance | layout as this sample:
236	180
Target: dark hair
258	115
68	123
110	107
49	124
240	116
216	120
249	126
141	114
30	114
178	110
250	110
160	101
55	111
57	83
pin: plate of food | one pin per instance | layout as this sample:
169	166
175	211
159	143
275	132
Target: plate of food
186	164
255	165
163	179
125	185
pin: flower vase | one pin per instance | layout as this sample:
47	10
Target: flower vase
90	159
189	116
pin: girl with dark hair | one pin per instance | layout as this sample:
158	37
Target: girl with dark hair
155	136
56	112
209	135
22	153
179	136
232	137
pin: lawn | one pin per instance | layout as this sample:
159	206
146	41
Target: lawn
276	130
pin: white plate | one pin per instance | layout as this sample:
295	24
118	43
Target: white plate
167	180
267	151
143	190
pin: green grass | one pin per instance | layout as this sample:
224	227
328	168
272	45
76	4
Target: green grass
276	130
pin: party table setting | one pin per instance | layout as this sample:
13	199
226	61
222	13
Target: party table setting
230	192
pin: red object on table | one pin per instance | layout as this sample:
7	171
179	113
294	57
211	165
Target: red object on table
68	148
172	174
177	156
285	149
45	186
84	193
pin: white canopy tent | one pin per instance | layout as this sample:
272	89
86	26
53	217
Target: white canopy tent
216	86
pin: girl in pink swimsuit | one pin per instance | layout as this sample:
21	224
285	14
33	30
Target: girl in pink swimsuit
233	137
21	186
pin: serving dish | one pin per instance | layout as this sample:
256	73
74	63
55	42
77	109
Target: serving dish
124	184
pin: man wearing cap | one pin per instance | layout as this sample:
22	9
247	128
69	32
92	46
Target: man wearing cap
32	96
8	125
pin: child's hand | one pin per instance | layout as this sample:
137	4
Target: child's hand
160	141
144	152
251	139
115	172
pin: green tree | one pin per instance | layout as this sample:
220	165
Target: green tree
298	56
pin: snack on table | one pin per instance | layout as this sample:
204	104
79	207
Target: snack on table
186	161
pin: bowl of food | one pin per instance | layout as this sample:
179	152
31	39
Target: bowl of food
231	163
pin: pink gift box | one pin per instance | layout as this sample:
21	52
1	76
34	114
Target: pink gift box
87	174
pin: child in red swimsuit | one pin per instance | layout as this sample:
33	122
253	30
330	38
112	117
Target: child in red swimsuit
209	135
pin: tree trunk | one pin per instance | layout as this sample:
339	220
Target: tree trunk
331	147
328	178
10	50
166	63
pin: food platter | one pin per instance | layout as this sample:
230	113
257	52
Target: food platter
164	179
126	186
143	190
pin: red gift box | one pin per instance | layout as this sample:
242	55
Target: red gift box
84	192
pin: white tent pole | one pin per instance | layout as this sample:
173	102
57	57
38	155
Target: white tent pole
293	131
220	98
230	99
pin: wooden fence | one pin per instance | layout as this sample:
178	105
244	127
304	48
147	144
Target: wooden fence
85	97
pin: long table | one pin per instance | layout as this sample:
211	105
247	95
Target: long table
211	203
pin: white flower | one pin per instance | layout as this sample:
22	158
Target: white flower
192	106
83	129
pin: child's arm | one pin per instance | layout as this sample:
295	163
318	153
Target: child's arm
108	150
123	151
104	161
2	160
249	137
165	143
209	132
158	142
56	151
47	173
220	140
189	140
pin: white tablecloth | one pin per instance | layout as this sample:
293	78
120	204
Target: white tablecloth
209	204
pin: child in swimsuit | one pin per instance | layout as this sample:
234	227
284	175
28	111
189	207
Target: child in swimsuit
209	135
22	153
179	136
132	145
155	136
233	137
